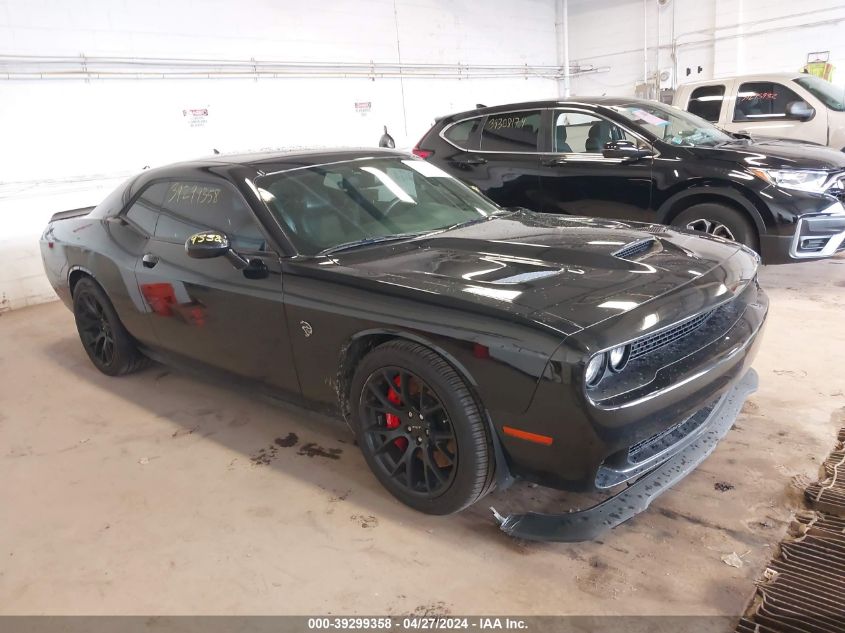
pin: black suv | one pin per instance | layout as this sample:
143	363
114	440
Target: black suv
641	160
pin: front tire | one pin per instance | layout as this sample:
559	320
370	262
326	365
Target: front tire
106	341
420	429
719	220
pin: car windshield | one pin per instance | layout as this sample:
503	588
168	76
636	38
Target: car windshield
362	201
832	96
672	125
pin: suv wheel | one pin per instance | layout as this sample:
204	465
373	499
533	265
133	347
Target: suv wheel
718	220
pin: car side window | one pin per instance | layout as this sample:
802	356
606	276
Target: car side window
706	102
760	100
511	132
144	212
464	134
582	133
190	207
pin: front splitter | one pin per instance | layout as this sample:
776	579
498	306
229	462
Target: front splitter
585	525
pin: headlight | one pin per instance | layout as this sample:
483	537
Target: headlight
618	357
595	370
803	180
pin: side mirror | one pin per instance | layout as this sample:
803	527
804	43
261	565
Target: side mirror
207	244
625	150
799	111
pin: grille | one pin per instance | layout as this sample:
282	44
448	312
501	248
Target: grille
814	244
837	189
650	446
632	250
650	343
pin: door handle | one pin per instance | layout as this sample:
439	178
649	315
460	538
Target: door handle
149	260
472	160
551	162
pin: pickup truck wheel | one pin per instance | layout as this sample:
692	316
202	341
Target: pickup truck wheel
106	341
420	429
719	220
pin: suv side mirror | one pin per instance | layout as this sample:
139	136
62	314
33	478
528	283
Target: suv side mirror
799	111
625	150
208	244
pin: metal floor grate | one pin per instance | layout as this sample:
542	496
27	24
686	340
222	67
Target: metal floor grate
803	589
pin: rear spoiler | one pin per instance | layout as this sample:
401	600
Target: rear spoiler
438	119
71	213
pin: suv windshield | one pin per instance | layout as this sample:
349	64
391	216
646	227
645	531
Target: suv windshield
832	96
672	125
356	202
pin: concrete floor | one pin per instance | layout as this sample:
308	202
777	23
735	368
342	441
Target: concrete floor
162	493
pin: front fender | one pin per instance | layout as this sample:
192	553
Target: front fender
705	191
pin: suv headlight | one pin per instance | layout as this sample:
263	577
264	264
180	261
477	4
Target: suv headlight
801	179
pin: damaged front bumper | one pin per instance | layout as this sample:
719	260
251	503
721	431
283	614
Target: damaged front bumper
584	525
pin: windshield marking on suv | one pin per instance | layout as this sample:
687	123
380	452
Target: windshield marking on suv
672	125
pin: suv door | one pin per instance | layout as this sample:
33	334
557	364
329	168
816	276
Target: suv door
760	109
577	179
498	153
206	310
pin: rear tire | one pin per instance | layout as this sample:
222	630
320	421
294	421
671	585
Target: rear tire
719	220
420	429
107	343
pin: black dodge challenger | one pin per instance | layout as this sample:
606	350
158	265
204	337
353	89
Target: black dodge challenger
467	345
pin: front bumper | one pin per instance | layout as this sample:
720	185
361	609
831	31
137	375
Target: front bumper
587	524
816	236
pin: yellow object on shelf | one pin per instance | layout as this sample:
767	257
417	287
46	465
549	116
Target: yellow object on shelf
817	64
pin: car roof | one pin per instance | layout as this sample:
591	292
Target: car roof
593	102
272	159
261	163
269	161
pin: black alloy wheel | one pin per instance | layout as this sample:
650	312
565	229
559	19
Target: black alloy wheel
420	429
106	341
408	433
95	330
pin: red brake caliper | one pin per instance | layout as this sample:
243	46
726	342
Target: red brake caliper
392	420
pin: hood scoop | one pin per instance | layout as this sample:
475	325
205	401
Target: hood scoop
635	249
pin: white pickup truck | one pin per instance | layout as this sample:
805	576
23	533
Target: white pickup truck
784	105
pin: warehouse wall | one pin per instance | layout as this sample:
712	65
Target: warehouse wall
77	131
108	125
724	37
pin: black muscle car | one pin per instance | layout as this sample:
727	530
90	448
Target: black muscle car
465	344
631	159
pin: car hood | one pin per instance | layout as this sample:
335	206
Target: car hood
565	272
777	154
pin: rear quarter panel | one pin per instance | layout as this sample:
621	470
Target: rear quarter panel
108	251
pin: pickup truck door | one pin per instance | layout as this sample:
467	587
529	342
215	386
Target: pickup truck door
759	108
711	101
